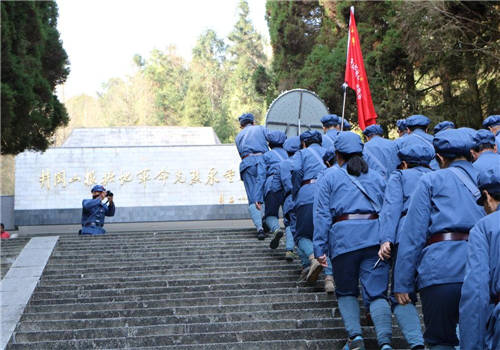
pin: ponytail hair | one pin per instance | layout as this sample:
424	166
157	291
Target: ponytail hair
356	165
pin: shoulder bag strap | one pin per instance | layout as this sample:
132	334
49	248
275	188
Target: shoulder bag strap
360	187
466	180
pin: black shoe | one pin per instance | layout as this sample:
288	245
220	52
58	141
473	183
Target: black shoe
261	235
276	240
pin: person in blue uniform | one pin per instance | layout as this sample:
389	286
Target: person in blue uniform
331	127
442	126
273	191
415	159
346	227
484	151
416	127
346	126
305	166
94	211
329	159
401	125
433	238
493	124
251	143
379	153
480	299
291	145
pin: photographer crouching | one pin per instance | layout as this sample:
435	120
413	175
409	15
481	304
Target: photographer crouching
94	210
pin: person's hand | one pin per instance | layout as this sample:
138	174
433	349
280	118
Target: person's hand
258	205
402	298
385	251
322	260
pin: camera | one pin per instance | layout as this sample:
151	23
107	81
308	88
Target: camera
109	194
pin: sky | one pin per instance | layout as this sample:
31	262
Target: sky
101	37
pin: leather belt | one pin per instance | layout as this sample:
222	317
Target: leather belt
447	236
252	154
371	216
310	181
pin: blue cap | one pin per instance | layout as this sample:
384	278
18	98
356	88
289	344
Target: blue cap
330	120
443	126
453	143
329	157
417	153
347	125
489	180
311	136
484	137
348	142
97	188
276	137
471	132
401	124
374	129
292	144
492	120
417	120
246	117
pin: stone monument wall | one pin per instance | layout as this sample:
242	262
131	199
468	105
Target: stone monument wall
150	183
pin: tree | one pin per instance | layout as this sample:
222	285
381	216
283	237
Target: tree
170	77
246	55
436	58
33	64
203	105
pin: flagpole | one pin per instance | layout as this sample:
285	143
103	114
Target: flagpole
344	86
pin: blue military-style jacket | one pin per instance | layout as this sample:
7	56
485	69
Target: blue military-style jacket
441	203
478	313
251	143
93	213
399	188
487	160
272	159
328	139
381	155
338	195
305	164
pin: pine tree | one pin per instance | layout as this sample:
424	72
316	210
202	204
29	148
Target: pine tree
33	64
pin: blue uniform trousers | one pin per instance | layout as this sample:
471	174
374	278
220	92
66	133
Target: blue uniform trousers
440	308
304	227
357	266
273	201
305	230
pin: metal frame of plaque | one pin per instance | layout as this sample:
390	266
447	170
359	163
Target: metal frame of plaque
295	111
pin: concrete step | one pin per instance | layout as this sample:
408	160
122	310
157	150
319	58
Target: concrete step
168	276
161	270
28	326
139	295
170	303
197	338
180	310
123	267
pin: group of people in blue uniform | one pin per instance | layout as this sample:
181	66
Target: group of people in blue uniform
392	219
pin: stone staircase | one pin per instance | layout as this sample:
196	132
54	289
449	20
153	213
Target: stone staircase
178	290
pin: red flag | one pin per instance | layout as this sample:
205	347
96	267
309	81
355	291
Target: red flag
356	79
